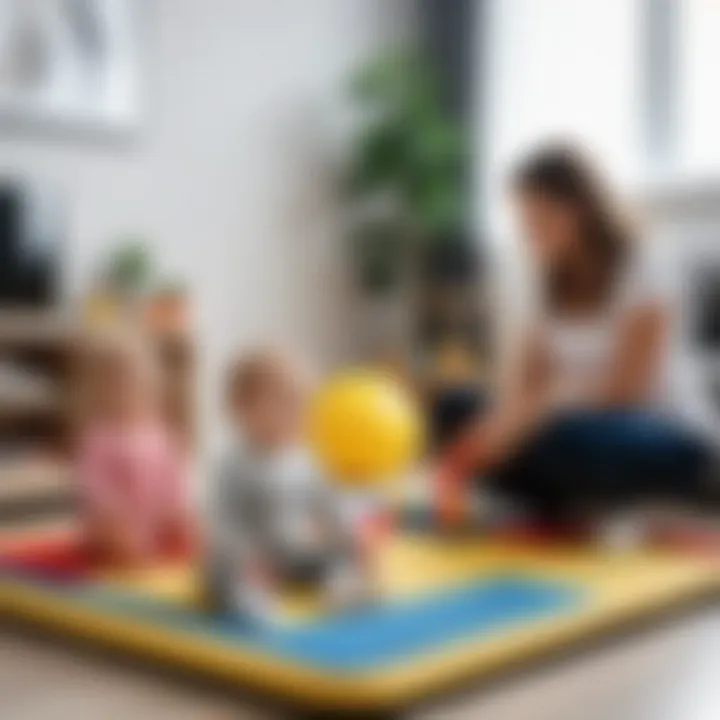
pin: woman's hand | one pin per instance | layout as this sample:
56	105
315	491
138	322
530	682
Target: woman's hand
484	446
454	474
451	498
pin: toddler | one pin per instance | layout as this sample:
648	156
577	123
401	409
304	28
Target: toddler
273	521
131	472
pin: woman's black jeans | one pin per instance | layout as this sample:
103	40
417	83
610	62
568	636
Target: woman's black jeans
595	459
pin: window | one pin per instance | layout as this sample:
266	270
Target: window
634	81
697	140
561	69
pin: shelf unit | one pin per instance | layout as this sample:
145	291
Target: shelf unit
37	431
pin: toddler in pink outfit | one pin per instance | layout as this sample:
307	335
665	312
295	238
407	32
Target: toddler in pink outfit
131	472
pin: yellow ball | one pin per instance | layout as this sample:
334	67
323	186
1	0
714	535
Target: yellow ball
364	428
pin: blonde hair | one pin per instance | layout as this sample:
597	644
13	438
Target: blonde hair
110	354
254	371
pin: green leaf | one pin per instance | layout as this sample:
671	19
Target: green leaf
411	147
130	266
442	209
378	158
396	79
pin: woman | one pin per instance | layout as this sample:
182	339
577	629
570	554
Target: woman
601	410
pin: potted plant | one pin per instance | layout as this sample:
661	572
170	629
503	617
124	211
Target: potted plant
122	283
129	269
405	179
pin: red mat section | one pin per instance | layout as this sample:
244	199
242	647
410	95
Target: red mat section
66	557
57	557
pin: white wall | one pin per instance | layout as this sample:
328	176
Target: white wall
232	180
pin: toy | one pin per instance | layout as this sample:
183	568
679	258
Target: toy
364	429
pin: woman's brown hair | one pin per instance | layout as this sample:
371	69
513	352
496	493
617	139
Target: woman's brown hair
563	174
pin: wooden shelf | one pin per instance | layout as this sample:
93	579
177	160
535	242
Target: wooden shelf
51	344
11	531
14	408
38	492
18	484
29	329
33	329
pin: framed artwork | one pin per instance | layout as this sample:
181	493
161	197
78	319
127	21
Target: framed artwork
71	63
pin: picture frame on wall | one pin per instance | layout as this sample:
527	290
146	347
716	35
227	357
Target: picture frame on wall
72	64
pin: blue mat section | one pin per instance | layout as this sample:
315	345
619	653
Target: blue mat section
391	634
382	636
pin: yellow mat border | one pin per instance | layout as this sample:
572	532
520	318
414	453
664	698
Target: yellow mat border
373	690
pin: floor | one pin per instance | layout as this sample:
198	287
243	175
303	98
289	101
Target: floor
672	673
